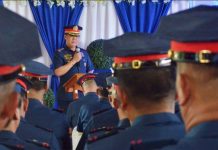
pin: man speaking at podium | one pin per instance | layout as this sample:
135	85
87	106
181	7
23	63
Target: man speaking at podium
68	61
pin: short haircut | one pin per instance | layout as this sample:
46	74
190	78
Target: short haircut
200	72
103	92
37	84
5	90
150	84
88	83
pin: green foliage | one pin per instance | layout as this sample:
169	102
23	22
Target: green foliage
100	61
49	98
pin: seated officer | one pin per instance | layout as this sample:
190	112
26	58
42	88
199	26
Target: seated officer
89	87
68	61
145	89
195	49
37	113
87	110
34	134
108	118
20	48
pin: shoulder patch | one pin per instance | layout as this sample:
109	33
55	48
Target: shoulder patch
102	129
13	146
101	111
41	144
93	139
58	110
43	128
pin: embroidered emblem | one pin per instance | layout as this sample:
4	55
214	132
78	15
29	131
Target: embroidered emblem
68	57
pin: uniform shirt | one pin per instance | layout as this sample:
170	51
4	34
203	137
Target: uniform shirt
85	65
74	107
147	127
124	123
11	141
40	115
109	117
65	55
29	131
87	110
3	147
201	137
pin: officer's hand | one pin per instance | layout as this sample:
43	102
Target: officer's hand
77	57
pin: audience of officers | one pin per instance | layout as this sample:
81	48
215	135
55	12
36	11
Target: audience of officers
136	108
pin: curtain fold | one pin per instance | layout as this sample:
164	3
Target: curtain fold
1	2
141	16
50	19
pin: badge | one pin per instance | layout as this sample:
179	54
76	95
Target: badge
68	57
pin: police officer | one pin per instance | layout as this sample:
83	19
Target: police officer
28	131
89	87
194	48
12	46
69	61
37	113
145	89
87	110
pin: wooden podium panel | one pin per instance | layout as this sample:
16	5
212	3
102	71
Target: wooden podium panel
72	86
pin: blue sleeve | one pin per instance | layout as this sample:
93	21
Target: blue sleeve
58	60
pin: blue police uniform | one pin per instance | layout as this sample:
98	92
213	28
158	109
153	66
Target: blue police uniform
195	43
201	137
61	58
124	123
29	131
40	115
154	127
106	117
12	141
154	145
3	147
87	110
74	107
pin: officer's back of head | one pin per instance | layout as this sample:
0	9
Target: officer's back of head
145	78
88	83
194	49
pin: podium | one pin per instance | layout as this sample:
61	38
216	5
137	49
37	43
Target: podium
72	86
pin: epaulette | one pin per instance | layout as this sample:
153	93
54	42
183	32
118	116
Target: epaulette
58	110
101	111
13	146
109	128
141	145
60	49
41	144
106	134
43	128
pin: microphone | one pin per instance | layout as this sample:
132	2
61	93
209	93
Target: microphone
78	64
77	50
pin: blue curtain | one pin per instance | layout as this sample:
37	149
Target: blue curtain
141	15
1	2
50	20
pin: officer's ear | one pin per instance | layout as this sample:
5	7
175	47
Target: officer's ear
122	97
65	36
10	106
183	89
25	104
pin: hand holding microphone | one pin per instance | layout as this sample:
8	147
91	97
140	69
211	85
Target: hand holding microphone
77	56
